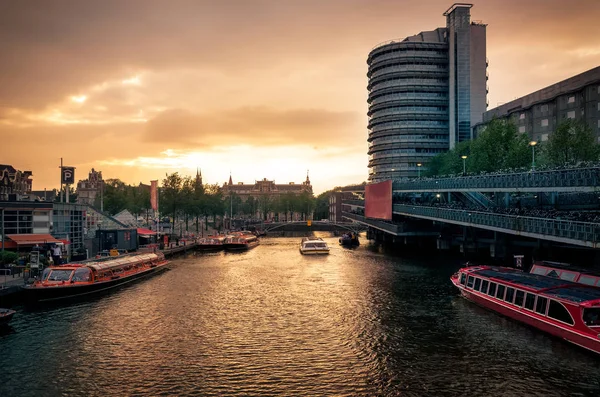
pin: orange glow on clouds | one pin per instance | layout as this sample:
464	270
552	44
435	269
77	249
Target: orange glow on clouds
265	89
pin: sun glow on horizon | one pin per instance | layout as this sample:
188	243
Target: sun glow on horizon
79	98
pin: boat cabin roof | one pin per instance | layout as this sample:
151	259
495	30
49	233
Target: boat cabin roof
563	289
121	261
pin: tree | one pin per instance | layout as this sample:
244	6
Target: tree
572	141
116	198
171	201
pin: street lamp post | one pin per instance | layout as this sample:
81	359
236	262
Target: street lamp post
532	144
464	158
419	169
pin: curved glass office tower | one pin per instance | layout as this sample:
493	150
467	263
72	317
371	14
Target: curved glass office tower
425	93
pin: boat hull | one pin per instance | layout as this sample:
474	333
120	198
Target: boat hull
210	247
51	294
523	316
349	242
314	252
5	316
241	246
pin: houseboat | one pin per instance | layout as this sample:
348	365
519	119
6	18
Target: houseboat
564	271
5	316
313	246
79	280
565	309
211	243
241	241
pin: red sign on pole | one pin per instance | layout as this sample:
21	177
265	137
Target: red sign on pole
154	195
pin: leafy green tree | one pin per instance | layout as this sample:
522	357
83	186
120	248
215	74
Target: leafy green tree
171	199
572	141
116	197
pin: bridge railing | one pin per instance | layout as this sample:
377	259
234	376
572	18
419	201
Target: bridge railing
580	233
360	203
389	227
566	179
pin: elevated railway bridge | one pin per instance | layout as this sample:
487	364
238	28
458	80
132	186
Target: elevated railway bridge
485	210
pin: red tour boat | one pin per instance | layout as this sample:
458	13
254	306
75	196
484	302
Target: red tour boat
76	280
565	309
241	241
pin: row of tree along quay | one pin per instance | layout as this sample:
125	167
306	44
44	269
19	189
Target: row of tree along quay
502	148
183	198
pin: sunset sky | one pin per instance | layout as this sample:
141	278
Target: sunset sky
261	89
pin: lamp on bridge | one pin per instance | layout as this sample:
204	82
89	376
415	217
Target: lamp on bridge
419	165
464	164
532	144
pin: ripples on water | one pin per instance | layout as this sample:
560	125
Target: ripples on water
272	322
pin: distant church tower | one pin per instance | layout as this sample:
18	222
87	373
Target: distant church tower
198	181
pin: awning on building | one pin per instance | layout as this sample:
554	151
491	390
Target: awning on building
145	232
32	239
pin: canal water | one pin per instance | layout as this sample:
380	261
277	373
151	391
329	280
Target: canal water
270	322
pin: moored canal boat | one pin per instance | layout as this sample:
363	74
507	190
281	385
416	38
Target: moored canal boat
78	280
313	246
5	316
565	309
211	243
239	241
349	240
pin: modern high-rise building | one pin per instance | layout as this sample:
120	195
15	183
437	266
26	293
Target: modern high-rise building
425	93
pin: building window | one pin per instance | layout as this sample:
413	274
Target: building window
544	108
544	123
544	137
522	129
599	106
571	114
522	116
571	99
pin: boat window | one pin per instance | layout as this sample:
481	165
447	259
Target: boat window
463	278
484	286
45	274
470	282
492	291
539	270
540	306
519	298
558	311
530	301
477	284
510	294
569	276
500	291
82	274
60	275
589	280
591	316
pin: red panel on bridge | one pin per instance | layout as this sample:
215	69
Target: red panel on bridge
378	200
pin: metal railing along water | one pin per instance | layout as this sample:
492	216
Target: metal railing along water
573	232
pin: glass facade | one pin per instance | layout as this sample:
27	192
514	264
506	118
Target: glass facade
68	223
425	93
408	105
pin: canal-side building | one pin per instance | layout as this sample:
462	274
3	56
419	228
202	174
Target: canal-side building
266	190
68	225
425	93
537	114
13	182
89	190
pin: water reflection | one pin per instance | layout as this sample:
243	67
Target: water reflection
360	322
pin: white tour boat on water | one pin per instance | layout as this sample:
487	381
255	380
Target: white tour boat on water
313	246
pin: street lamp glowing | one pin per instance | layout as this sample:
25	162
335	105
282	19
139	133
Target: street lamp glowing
464	157
419	168
532	144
